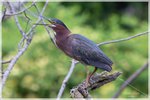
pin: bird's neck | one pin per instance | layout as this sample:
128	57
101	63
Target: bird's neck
61	35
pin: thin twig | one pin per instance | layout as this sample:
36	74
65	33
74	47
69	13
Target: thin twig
63	86
26	16
20	12
3	15
123	39
17	21
5	62
28	20
130	79
21	43
15	59
39	18
47	29
32	14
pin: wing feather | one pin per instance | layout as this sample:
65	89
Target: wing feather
88	52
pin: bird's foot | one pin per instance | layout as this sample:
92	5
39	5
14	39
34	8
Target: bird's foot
88	82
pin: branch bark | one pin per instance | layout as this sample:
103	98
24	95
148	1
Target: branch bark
96	81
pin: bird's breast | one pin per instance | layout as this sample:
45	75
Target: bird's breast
65	46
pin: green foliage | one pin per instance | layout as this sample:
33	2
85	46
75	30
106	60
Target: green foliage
41	70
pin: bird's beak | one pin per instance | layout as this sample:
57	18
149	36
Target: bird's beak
52	23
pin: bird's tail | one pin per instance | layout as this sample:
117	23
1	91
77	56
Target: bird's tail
104	67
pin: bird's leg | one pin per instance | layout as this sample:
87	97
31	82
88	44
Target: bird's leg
90	75
87	75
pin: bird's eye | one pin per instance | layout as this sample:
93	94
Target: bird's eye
54	22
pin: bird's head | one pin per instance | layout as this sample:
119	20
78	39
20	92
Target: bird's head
60	29
57	25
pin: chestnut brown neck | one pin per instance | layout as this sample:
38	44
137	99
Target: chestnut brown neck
61	33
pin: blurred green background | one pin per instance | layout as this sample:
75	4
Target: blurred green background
42	68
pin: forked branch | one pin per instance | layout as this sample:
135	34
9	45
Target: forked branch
25	46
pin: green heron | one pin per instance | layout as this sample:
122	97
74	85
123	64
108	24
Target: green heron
79	47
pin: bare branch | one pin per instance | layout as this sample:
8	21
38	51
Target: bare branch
12	63
130	79
32	14
20	12
124	39
16	20
21	51
26	16
63	86
96	81
21	44
27	21
47	29
39	18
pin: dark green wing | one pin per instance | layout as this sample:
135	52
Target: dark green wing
87	52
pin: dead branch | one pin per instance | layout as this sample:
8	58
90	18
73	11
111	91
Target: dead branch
23	49
96	81
12	10
20	12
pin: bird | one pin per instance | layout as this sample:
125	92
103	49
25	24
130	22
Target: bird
79	47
